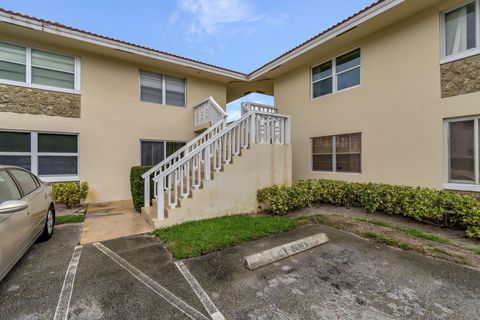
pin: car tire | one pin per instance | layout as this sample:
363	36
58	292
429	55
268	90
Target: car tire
49	225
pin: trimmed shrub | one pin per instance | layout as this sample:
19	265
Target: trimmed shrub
71	194
422	204
137	185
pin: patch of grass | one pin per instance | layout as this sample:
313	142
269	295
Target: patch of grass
422	234
375	222
197	238
443	254
475	250
405	246
390	241
382	239
407	230
69	218
442	251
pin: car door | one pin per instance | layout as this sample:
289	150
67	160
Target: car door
32	193
15	228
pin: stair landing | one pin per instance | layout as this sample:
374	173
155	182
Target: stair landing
112	220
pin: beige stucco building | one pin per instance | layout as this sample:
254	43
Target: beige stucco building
406	94
390	95
103	110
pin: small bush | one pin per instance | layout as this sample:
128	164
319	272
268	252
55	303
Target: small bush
137	185
422	204
71	194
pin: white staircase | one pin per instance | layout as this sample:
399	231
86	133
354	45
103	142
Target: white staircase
219	171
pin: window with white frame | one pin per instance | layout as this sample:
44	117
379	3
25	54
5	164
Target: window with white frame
340	153
463	138
338	74
162	89
154	152
43	69
461	29
52	156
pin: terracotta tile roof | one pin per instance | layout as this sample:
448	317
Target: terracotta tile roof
56	24
321	34
47	22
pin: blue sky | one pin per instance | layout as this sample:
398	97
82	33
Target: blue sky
238	34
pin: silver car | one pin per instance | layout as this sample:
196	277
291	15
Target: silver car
27	213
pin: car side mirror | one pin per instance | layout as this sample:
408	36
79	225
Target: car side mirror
12	206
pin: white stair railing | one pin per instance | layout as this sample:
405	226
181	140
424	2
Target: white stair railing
178	180
207	113
179	154
252	106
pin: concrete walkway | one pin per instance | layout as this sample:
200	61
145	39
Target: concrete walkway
112	220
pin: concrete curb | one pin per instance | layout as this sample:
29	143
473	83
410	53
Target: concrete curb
263	258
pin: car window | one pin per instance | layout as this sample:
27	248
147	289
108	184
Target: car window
25	180
8	189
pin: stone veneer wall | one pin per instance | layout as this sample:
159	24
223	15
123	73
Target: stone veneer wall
37	101
461	77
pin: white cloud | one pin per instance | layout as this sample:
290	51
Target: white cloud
210	16
210	21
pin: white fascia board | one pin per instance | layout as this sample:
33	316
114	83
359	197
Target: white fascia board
77	35
367	15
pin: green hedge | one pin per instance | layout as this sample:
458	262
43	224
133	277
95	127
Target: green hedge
136	185
423	204
71	194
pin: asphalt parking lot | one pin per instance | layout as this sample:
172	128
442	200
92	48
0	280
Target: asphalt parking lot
135	278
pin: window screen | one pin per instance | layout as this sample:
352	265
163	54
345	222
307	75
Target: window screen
13	62
175	91
340	153
53	69
158	88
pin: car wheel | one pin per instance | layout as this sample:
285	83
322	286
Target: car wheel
49	225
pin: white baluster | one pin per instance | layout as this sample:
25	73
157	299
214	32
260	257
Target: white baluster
199	171
187	181
192	164
160	200
252	128
175	189
242	135
238	136
208	175
234	141
214	155
224	148
229	140
169	190
245	135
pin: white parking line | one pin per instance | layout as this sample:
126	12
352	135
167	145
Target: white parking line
61	313
154	286
201	294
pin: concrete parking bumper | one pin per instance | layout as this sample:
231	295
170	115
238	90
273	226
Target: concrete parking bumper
275	254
